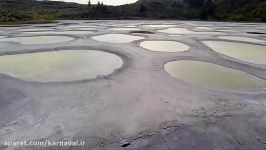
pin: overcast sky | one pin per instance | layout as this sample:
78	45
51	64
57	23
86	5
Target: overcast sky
107	2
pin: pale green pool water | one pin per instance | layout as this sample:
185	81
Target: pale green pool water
70	32
38	39
246	52
59	66
186	31
212	76
117	38
241	38
164	46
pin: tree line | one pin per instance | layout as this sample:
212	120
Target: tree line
219	10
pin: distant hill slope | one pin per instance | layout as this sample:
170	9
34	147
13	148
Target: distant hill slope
245	10
236	10
26	10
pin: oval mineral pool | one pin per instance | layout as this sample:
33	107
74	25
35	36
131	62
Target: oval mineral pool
245	52
241	38
186	31
117	38
70	32
212	76
164	46
38	39
59	66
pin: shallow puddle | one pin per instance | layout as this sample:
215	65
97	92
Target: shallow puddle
256	32
246	52
212	76
59	66
186	31
142	32
38	39
164	46
241	38
117	38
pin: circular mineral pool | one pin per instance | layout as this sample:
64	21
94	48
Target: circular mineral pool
164	46
245	52
241	38
212	76
117	38
59	66
38	39
186	31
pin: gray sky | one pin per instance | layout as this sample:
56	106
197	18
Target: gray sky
107	2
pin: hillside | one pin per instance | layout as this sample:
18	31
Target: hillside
28	10
236	10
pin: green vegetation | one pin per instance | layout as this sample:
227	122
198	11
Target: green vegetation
43	11
38	11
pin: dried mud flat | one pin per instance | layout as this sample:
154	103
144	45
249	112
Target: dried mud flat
138	106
